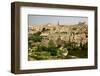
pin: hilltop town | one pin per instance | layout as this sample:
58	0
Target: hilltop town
73	33
59	35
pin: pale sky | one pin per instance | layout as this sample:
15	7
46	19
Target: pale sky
44	19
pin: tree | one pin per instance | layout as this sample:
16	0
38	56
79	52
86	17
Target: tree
51	43
59	42
52	48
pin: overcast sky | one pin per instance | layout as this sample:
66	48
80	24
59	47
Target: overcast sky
42	19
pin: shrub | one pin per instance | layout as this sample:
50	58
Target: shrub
51	43
35	38
53	51
52	48
79	51
41	48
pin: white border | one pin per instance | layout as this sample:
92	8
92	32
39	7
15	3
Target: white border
25	64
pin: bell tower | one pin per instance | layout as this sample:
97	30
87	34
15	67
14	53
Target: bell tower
58	23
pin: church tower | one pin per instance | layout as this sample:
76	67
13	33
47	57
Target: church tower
58	23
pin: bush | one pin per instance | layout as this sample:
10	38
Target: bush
52	48
79	51
51	43
40	55
53	51
35	38
41	48
71	46
41	52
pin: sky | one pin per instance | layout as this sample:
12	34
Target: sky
44	19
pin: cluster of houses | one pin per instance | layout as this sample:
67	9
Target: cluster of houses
73	33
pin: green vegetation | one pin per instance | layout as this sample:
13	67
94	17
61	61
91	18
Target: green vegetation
78	51
35	37
41	52
51	43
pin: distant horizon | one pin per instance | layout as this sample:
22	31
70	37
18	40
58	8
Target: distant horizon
61	20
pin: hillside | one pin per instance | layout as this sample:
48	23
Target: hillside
59	36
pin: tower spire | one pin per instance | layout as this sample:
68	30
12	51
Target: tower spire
58	23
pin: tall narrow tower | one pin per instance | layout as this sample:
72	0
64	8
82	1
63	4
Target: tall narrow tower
58	23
